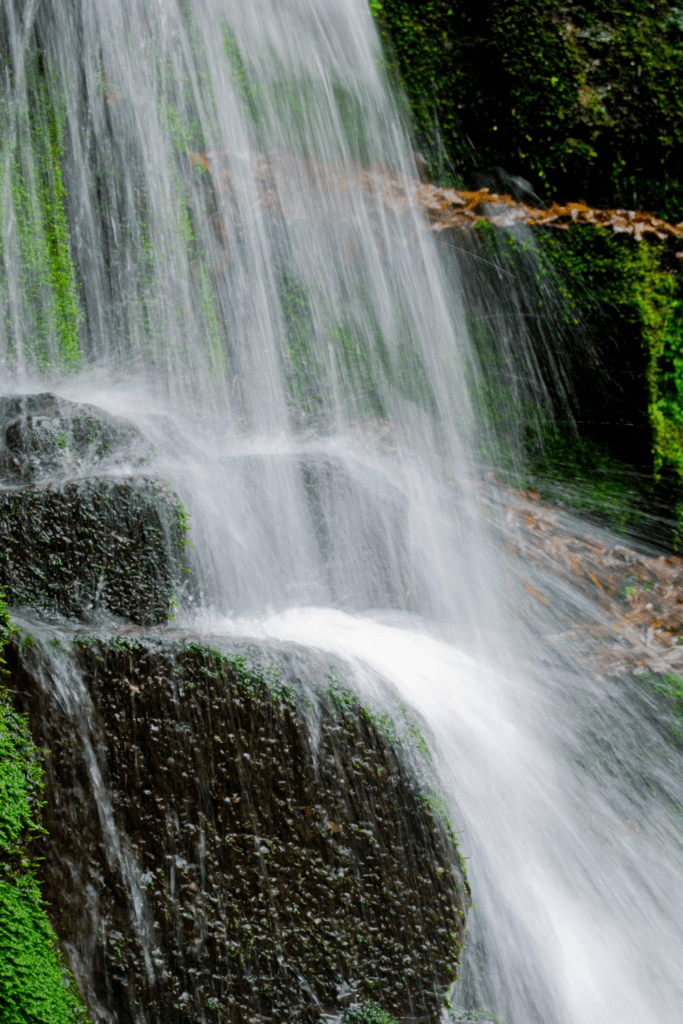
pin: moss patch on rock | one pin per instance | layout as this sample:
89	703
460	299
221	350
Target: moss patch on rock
35	985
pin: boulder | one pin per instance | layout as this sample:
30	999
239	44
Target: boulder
43	437
75	540
231	836
85	548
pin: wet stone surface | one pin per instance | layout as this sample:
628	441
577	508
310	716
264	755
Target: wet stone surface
278	852
87	548
44	436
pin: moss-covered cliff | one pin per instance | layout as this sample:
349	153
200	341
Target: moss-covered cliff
584	102
259	847
578	371
581	99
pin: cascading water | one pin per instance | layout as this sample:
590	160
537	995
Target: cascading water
247	280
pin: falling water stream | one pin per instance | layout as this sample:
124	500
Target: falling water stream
256	295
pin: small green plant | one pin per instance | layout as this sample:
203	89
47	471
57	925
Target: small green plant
368	1013
184	525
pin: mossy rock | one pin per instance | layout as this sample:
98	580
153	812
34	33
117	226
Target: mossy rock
35	985
582	99
272	848
88	548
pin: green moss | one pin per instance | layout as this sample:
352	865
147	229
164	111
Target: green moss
604	313
35	985
62	272
47	327
582	99
345	343
368	1013
667	691
598	270
250	674
219	365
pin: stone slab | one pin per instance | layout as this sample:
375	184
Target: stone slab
90	547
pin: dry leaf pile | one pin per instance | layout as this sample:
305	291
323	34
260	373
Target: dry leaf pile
446	208
462	209
638	599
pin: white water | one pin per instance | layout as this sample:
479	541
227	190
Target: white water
250	299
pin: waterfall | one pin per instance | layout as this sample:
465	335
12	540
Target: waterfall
207	228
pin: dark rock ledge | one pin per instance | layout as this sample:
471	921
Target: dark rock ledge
233	843
230	835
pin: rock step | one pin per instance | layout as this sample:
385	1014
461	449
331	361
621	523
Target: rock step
89	547
259	845
46	437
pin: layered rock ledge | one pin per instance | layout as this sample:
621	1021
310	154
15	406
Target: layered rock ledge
81	533
230	834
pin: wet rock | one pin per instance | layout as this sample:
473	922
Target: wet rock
233	843
46	437
87	548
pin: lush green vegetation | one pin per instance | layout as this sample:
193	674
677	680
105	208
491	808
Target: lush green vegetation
368	1013
34	228
612	276
35	985
581	99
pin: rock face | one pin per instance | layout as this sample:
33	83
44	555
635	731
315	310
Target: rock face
92	546
83	545
225	843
